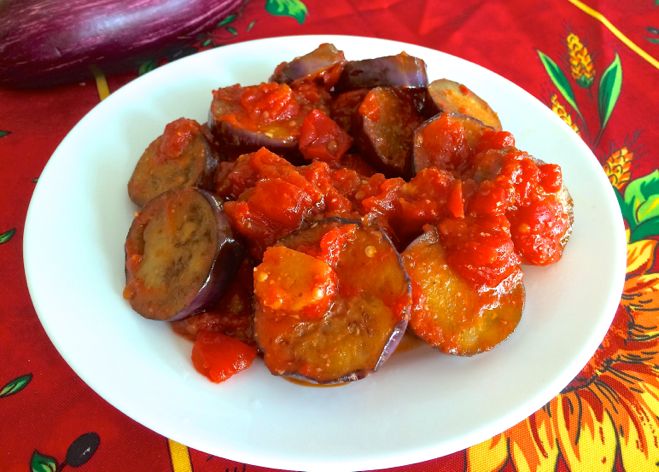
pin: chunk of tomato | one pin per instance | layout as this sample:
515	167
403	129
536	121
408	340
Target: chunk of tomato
321	138
219	357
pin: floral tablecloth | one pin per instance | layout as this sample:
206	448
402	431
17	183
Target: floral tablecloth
594	64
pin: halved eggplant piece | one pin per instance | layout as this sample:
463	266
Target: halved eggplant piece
323	65
265	115
180	255
448	312
453	97
332	302
446	141
180	157
401	70
385	124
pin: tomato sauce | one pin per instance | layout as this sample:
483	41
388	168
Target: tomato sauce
177	136
499	210
302	155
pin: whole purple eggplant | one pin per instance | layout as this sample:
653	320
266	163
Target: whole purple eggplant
43	42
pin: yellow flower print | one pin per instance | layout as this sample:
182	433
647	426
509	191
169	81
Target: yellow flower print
581	64
562	113
618	167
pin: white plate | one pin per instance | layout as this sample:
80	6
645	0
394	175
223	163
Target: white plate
420	405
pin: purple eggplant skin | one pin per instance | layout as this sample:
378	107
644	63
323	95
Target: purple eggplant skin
386	142
238	139
401	70
227	255
44	42
244	140
324	65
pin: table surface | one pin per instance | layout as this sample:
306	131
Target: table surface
604	64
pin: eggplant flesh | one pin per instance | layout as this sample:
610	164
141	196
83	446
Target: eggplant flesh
180	255
384	129
450	314
156	173
363	324
453	97
244	140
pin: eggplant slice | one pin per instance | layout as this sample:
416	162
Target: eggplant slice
446	141
449	313
358	281
180	157
274	122
401	70
453	97
385	124
180	255
323	65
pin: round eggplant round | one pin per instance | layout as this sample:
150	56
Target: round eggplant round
180	255
180	157
448	312
332	302
247	130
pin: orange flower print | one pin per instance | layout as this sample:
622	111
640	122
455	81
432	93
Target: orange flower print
558	108
618	167
608	412
581	64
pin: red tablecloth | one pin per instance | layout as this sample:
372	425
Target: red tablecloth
605	55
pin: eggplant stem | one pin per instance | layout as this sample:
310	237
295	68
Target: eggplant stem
101	83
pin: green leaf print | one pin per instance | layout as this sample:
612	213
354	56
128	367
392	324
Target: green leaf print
642	196
7	235
293	8
609	91
42	463
559	79
15	386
